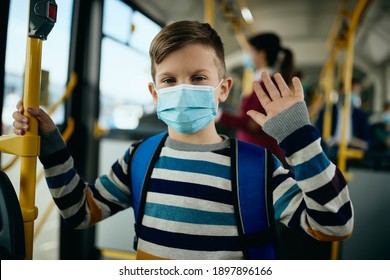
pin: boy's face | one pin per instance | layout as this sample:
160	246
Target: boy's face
193	64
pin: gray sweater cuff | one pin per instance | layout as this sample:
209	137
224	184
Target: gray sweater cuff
51	142
288	121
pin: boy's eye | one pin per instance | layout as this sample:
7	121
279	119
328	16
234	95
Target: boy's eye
198	79
168	81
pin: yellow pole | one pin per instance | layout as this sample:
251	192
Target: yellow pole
342	158
209	12
344	152
328	84
32	85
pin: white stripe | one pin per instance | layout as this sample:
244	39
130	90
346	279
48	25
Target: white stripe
205	156
64	190
306	153
201	179
59	169
189	202
180	254
283	187
188	228
114	179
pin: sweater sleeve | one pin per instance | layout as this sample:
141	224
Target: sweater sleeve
314	197
82	204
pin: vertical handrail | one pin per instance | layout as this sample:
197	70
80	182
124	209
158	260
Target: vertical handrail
344	151
42	16
209	12
32	83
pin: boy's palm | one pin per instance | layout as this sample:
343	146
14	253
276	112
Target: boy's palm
280	97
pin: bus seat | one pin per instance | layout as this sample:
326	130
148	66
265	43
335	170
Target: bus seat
12	244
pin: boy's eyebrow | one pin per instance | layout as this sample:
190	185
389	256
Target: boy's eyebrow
165	74
202	70
169	74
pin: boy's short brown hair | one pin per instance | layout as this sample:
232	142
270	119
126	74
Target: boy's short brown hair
183	33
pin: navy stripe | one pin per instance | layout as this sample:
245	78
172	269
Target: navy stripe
332	219
118	171
191	190
127	156
71	198
78	217
299	139
295	221
61	180
190	242
279	179
330	190
56	158
223	152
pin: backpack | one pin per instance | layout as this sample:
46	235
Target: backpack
258	239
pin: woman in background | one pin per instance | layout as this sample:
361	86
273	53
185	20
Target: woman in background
267	55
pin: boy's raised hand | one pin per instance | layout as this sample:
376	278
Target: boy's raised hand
280	97
21	122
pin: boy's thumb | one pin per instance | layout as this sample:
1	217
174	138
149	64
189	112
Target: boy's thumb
35	112
257	117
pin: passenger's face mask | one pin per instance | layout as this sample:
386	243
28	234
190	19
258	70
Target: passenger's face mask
356	100
386	118
248	62
186	108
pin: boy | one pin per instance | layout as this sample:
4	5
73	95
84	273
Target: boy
189	211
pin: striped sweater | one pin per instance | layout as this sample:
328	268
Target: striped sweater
189	210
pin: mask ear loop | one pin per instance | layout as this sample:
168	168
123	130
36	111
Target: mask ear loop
220	83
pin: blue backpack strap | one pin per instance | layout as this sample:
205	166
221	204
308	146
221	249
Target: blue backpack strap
141	166
254	208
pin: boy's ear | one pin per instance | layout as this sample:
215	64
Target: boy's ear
153	92
226	86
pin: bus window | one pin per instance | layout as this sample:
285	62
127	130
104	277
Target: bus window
55	56
125	66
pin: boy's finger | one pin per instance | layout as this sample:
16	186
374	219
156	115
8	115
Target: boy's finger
298	88
19	106
270	86
39	114
261	95
18	131
35	112
283	87
18	127
17	116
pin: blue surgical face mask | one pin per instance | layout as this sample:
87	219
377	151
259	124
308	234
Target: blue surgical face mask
186	108
386	118
356	100
248	62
